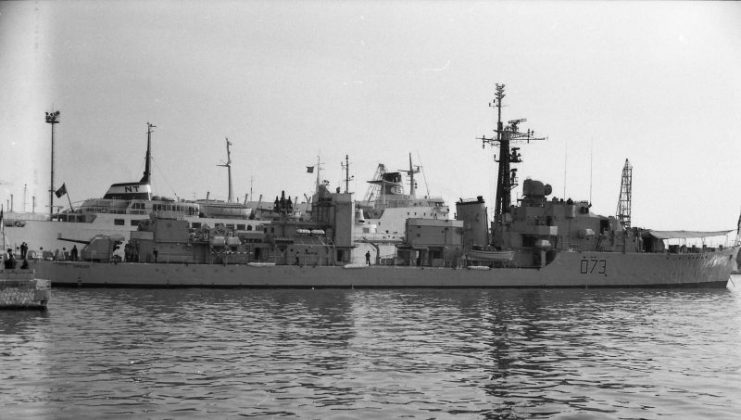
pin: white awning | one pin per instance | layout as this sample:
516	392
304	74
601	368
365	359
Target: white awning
686	234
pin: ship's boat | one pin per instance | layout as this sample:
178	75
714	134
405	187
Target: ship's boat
489	256
219	209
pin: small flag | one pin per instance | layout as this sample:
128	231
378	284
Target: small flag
61	191
310	169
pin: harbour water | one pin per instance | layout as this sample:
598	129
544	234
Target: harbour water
398	353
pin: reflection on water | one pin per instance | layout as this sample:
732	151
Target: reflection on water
531	353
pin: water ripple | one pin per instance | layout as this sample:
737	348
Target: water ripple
494	354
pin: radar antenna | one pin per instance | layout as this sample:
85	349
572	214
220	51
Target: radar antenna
507	176
626	193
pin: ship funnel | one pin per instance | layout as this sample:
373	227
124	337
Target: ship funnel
392	183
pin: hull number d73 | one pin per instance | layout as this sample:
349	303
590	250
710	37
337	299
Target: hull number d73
593	266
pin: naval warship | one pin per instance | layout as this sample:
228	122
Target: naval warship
539	241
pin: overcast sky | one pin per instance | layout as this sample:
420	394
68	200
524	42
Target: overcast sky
657	83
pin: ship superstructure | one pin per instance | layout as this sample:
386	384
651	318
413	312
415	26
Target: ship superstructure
386	206
381	217
209	208
537	241
119	211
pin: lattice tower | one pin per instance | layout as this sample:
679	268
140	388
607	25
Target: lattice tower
624	201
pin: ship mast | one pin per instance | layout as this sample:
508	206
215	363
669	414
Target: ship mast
148	158
348	178
411	171
228	166
626	190
507	176
52	118
318	171
2	227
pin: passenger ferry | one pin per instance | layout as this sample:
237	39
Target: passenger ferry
120	211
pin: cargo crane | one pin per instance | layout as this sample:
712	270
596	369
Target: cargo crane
626	192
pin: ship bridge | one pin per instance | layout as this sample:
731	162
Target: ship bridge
129	191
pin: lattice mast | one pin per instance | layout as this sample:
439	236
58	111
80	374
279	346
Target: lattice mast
506	176
374	188
626	192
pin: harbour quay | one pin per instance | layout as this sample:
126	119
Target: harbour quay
20	290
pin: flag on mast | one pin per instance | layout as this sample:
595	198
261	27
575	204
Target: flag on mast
61	191
310	169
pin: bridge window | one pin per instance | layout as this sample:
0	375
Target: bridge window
119	222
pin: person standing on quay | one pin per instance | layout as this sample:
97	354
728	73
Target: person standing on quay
10	260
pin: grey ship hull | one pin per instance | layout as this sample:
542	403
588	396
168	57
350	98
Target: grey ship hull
569	269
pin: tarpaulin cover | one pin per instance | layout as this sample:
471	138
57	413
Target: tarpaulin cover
686	234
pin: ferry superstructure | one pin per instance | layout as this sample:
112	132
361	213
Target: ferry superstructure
120	211
380	218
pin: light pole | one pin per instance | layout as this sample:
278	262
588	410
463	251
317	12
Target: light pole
52	118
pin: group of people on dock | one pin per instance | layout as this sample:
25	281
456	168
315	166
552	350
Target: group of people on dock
71	255
11	262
